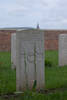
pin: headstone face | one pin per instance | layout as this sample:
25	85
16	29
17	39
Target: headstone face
62	49
13	50
30	59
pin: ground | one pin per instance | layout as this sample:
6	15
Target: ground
55	78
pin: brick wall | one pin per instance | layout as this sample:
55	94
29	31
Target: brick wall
5	40
51	39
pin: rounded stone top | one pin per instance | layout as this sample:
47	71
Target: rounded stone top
63	35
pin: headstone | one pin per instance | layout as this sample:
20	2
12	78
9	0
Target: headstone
62	49
13	50
30	59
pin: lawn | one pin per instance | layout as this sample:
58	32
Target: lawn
7	75
38	96
55	77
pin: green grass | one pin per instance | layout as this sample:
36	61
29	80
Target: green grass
55	77
38	96
7	75
52	56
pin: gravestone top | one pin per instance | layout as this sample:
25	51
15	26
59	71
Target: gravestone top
62	36
62	49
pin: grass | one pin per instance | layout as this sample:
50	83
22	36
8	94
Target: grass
38	96
7	75
55	77
52	56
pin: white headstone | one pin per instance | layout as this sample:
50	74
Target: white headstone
30	59
13	50
62	49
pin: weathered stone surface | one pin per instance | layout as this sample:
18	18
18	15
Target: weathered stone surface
13	50
62	49
30	59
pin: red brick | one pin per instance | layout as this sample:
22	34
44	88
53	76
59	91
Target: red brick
51	39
